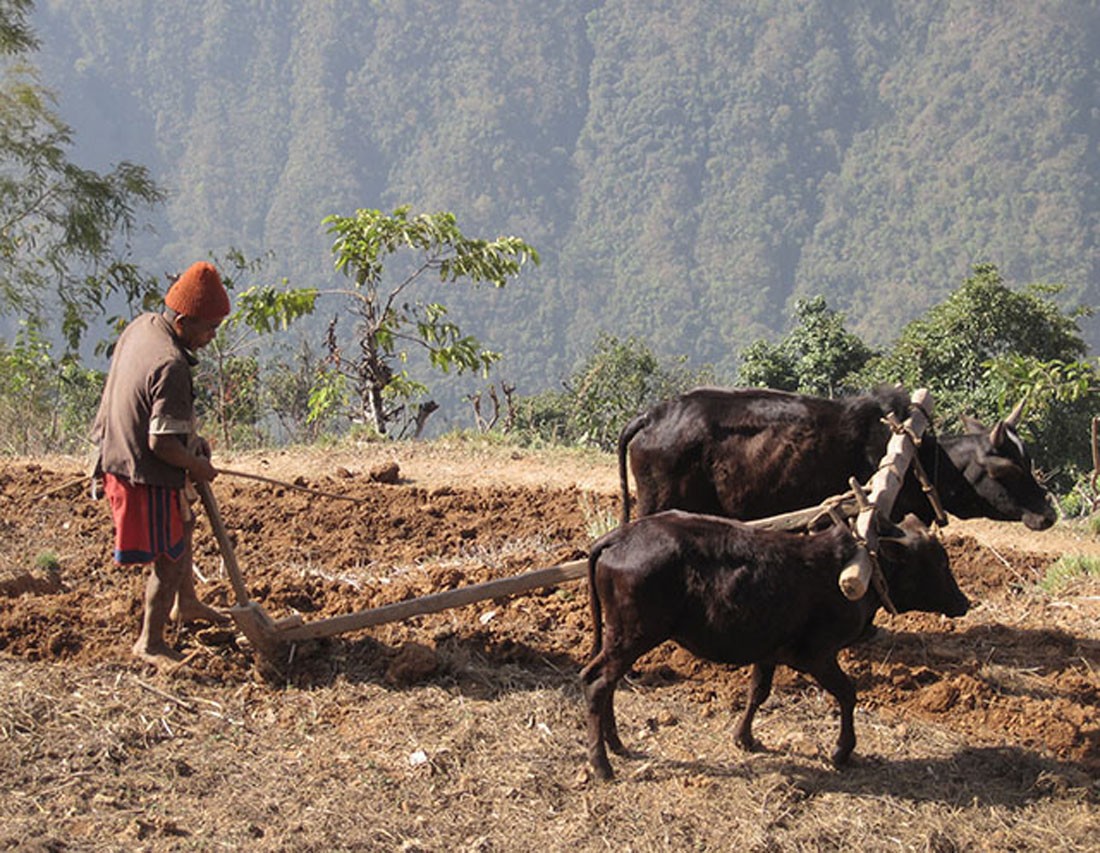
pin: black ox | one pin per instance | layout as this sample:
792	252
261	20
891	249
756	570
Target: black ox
730	593
754	453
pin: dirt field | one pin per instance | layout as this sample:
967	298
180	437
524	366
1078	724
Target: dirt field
463	730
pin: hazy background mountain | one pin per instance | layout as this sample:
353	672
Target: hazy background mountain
685	169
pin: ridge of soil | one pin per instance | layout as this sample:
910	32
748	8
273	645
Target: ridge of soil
464	729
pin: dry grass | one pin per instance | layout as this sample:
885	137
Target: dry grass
490	757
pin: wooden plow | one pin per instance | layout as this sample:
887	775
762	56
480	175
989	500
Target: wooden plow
272	638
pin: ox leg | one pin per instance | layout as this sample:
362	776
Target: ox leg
835	681
611	726
759	691
599	687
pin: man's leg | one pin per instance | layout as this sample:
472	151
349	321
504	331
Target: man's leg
160	592
187	607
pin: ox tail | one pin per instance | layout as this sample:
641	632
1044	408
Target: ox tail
594	606
625	437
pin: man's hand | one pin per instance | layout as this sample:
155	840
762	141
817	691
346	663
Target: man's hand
168	448
201	470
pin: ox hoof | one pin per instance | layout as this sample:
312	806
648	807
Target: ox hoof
603	770
840	757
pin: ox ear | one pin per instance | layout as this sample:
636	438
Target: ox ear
907	529
972	425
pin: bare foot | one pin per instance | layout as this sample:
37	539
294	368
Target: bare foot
157	654
196	611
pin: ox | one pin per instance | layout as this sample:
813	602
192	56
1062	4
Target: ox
755	452
738	595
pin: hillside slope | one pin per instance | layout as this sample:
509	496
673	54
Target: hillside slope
683	175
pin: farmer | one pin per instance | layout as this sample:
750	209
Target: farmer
149	450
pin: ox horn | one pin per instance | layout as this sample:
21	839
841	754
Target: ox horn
997	434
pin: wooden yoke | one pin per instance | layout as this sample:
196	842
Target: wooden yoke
882	491
856	576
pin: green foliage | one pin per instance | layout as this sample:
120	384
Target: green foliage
818	356
543	419
1069	572
390	326
140	292
329	396
985	348
297	397
46	405
58	222
686	177
618	380
980	351
1061	402
16	36
228	381
1082	500
47	561
948	348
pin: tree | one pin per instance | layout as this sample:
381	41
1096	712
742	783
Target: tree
295	392
1060	405
985	348
58	222
947	350
229	383
46	404
389	325
619	379
818	356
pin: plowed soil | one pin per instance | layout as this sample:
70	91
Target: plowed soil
464	729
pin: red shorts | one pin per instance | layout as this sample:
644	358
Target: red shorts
148	520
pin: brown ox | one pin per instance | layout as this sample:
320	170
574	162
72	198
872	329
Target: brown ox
738	595
754	453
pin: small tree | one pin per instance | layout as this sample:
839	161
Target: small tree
58	222
293	391
1060	405
389	325
616	381
818	356
46	404
229	383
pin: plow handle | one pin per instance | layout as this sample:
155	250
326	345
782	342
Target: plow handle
229	557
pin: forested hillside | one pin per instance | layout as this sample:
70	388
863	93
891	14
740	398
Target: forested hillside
685	169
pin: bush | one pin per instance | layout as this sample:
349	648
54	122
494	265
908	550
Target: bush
616	382
46	405
1069	571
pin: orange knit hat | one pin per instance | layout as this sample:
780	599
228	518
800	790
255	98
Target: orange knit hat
199	293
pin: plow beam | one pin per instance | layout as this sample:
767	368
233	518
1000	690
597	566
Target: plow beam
435	602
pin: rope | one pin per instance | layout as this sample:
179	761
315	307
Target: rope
927	486
879	581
